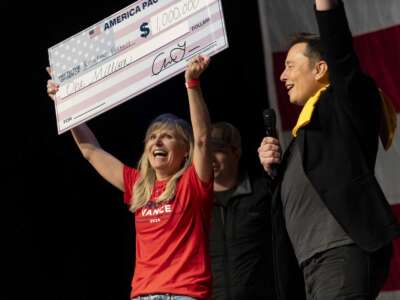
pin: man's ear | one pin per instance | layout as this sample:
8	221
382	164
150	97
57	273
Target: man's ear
237	152
320	70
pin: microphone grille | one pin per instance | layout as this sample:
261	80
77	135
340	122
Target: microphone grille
269	117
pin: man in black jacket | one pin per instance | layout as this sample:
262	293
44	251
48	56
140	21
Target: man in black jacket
332	225
240	237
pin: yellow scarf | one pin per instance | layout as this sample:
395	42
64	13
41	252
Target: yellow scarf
307	111
389	120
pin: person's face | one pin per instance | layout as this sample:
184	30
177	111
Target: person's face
300	77
166	151
225	162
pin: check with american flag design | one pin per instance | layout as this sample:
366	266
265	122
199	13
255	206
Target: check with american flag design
130	52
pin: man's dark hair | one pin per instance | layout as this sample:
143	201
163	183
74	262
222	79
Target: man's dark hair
314	50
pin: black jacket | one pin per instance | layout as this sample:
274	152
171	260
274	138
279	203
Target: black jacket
338	149
240	243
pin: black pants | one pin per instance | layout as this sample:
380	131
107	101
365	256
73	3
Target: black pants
346	272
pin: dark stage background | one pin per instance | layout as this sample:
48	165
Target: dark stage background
66	233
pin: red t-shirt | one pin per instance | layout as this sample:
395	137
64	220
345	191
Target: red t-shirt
171	238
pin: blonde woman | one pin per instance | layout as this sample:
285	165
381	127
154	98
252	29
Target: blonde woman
170	194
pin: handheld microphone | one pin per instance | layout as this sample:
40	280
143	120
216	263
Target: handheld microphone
269	118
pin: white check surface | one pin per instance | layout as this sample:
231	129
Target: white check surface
130	52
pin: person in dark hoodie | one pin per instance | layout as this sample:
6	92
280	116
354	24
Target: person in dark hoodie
240	235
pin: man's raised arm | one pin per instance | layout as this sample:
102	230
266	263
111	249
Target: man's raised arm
325	4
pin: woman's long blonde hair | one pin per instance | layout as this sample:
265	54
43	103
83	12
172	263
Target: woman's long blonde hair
143	187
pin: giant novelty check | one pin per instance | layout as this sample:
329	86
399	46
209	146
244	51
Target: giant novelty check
130	52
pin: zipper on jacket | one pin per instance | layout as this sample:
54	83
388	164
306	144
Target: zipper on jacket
226	258
221	209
